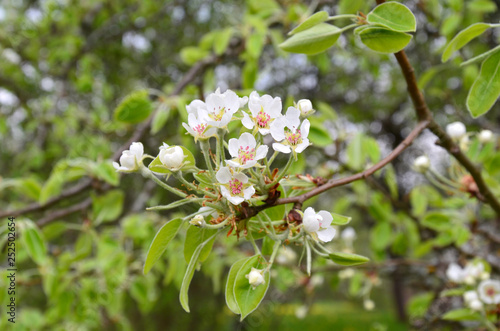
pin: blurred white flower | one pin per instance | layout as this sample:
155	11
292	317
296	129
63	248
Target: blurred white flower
235	187
244	153
289	136
486	136
130	159
319	224
455	273
255	277
305	106
422	163
346	273
263	112
470	296
456	130
476	305
316	280
489	291
286	256
348	234
171	157
368	304
301	312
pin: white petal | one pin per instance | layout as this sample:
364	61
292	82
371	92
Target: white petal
233	146
274	109
116	165
188	129
304	128
261	152
241	177
210	132
327	218
225	192
309	212
278	128
254	103
192	108
243	101
264	131
247	121
292	117
247	139
233	164
235	200
311	224
223	175
300	147
281	148
249	164
248	192
138	150
327	234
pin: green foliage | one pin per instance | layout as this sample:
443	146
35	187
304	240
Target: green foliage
486	88
463	38
311	21
462	314
134	108
394	16
383	40
314	40
347	259
160	243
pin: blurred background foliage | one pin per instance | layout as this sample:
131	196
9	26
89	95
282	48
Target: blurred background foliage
66	65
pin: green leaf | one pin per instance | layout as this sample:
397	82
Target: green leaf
351	6
394	16
381	236
312	41
453	292
340	219
32	239
462	314
177	203
486	88
160	242
348	259
107	207
384	40
355	157
222	40
436	221
419	304
192	54
157	167
311	21
247	298
107	172
194	237
255	44
188	276
481	57
463	38
135	108
231	278
160	119
318	135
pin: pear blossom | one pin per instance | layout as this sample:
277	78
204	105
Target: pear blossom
305	106
244	151
455	273
198	221
130	159
476	305
422	163
489	291
197	126
255	277
349	234
171	157
264	110
234	187
473	271
301	312
368	304
318	224
290	136
470	296
286	256
456	130
485	136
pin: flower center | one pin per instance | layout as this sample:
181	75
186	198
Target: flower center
246	154
235	186
293	138
262	119
216	115
490	291
200	128
319	219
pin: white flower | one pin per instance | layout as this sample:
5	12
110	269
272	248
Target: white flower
196	126
316	280
476	305
285	129
130	159
422	163
455	273
349	234
489	291
244	153
301	312
305	106
456	130
171	157
470	296
286	256
255	277
368	304
198	221
319	224
235	187
474	270
219	108
485	136
263	110
346	273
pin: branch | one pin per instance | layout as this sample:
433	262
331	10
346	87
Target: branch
64	212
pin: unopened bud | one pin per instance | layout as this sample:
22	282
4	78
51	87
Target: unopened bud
198	221
422	163
368	304
456	130
485	136
255	277
305	107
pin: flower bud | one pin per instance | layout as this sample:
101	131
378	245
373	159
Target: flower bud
422	163
131	158
484	275
456	130
171	157
305	107
485	136
476	305
470	296
198	221
255	277
368	304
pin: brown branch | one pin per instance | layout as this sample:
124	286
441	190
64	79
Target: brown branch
64	212
362	175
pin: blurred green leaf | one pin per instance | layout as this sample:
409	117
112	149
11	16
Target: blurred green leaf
348	259
135	108
311	21
486	88
107	207
312	41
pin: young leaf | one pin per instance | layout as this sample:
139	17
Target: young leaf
340	219
311	21
312	41
463	38
135	108
247	298
34	243
160	242
188	276
462	314
481	57
394	16
486	88
348	259
223	38
231	278
194	237
384	40
107	207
